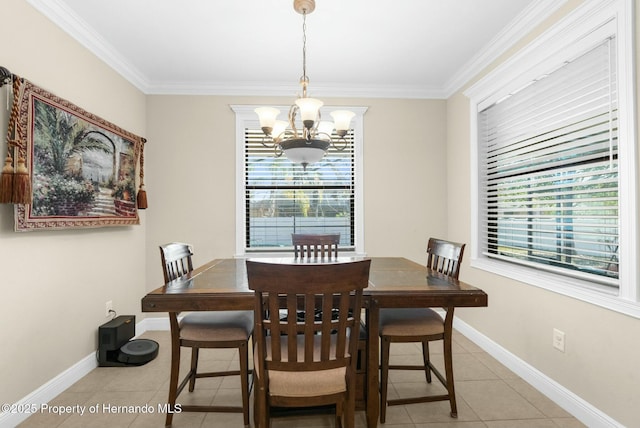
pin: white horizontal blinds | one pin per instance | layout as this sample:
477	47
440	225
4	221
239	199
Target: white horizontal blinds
549	170
282	198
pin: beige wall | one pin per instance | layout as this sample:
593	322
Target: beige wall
55	284
600	364
191	178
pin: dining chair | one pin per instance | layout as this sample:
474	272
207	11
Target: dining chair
306	362
196	330
422	325
310	245
315	245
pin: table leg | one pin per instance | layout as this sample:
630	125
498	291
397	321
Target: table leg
373	400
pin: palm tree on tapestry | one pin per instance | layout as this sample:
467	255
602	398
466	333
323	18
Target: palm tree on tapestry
61	140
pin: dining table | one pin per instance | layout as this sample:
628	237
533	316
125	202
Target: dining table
394	282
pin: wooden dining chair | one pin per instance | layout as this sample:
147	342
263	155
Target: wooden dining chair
196	330
422	325
310	246
306	362
314	245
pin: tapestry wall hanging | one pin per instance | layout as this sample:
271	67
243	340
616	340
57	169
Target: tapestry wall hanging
67	168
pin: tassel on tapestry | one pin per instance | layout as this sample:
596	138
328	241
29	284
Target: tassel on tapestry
21	182
6	181
15	182
142	194
6	178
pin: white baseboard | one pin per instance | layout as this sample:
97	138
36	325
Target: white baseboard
48	391
579	408
152	324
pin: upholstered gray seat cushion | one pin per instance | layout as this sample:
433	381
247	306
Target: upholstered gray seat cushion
410	322
303	383
216	325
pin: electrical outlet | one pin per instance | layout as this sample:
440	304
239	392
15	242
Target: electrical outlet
108	307
558	339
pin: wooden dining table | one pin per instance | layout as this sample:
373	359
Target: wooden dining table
221	284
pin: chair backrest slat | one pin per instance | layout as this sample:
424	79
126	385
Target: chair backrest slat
315	245
445	256
331	296
176	260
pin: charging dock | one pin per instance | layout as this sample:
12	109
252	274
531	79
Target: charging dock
115	347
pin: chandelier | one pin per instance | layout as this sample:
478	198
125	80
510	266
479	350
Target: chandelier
304	142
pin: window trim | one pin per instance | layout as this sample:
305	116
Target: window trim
570	36
246	117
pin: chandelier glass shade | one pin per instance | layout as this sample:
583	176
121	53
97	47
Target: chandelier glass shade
304	141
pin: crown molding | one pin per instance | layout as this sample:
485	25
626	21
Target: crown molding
287	89
58	12
68	21
522	25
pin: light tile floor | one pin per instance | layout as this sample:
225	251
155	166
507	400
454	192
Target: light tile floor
488	395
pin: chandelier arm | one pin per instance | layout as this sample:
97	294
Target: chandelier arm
341	148
269	146
293	111
287	135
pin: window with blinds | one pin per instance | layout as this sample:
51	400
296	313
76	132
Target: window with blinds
549	171
282	198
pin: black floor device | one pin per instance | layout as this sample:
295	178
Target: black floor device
115	347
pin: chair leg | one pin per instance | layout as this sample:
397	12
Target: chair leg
173	382
256	408
384	377
426	360
340	415
195	352
349	410
260	407
243	353
267	412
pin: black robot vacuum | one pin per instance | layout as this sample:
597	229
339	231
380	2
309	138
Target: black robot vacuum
117	349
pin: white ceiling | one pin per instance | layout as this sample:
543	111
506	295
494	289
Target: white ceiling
369	48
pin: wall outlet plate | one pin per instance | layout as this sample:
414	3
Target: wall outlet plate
558	339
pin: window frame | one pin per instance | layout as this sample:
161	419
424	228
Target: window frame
576	33
246	117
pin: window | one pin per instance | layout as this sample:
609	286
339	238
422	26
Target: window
283	198
549	171
553	142
277	197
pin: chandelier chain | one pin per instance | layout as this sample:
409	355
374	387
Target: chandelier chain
304	80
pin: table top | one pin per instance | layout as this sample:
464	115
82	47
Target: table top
393	282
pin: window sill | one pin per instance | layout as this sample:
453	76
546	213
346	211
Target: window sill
571	287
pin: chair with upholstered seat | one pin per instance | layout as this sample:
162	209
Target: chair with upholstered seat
315	245
422	325
196	330
306	362
312	246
